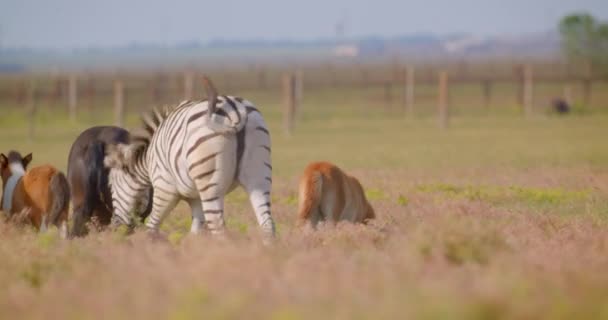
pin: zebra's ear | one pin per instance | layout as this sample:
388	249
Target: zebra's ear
119	156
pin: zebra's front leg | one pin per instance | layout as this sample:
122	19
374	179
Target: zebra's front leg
162	204
198	218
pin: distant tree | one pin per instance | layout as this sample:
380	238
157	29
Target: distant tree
585	40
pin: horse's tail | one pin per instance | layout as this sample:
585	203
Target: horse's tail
60	193
97	189
310	192
94	188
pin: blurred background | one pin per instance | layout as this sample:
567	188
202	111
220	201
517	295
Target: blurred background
75	57
309	66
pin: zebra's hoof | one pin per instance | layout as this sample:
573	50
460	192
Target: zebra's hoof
156	236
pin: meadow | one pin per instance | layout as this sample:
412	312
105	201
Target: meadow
496	217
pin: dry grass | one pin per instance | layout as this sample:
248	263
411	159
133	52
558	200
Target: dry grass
498	217
428	257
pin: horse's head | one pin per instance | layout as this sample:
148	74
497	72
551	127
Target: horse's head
14	163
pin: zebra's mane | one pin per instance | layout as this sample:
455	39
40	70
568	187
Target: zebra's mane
151	120
127	155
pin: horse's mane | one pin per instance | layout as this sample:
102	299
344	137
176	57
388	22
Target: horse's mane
14	156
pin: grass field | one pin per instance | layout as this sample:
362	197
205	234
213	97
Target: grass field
496	217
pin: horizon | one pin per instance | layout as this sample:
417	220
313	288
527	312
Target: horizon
259	42
69	25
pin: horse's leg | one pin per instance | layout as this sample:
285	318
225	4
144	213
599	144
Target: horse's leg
63	229
83	195
43	222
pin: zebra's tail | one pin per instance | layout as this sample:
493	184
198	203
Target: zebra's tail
309	196
213	123
211	96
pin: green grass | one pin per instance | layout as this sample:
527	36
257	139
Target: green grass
497	216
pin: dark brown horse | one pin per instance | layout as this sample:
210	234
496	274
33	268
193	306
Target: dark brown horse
91	196
42	193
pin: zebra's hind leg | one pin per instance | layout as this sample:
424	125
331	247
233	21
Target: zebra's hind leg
260	201
213	212
198	219
162	204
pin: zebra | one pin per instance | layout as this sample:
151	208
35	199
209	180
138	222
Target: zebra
197	151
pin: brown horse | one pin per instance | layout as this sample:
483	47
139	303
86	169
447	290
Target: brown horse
43	192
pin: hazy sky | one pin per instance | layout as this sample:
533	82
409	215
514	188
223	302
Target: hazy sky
82	23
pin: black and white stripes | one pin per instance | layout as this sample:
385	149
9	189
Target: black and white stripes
199	156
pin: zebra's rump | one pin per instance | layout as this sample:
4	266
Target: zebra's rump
194	150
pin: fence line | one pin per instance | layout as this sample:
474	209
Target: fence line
390	82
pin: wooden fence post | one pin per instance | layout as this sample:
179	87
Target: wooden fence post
72	96
261	77
528	93
227	80
588	71
299	93
188	85
289	96
519	78
442	101
388	94
119	103
568	94
55	95
586	92
32	108
487	93
364	77
331	74
90	93
409	90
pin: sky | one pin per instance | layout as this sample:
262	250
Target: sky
65	24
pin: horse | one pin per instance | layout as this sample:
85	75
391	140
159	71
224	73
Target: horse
43	192
327	193
90	192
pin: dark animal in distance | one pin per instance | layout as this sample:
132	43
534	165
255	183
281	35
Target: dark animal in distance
560	106
91	196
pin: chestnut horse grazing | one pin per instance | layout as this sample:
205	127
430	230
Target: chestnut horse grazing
43	192
328	194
